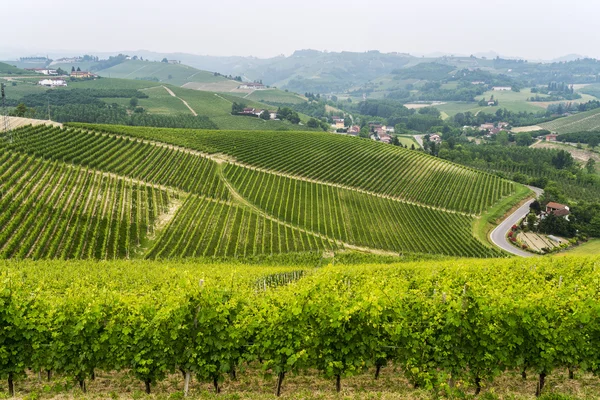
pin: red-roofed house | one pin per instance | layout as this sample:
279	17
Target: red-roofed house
560	210
551	137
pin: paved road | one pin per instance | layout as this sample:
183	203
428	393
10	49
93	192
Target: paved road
499	234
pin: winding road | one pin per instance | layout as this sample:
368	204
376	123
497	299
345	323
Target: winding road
498	235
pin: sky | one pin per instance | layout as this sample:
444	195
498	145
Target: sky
532	29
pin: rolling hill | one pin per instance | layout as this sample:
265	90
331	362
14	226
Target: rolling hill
174	74
165	193
581	122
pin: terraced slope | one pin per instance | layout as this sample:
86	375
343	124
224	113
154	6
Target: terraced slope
363	164
208	204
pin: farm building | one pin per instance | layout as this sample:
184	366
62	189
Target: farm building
338	122
502	88
435	138
43	71
354	130
486	127
174	61
52	82
82	74
252	86
551	137
560	210
252	111
385	138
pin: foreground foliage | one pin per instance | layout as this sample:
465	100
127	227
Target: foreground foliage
460	321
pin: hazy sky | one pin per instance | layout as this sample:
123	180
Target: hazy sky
535	29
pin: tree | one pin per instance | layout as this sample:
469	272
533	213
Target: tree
396	141
21	110
531	221
312	123
164	60
502	138
265	115
563	160
594	141
78	69
72	69
590	166
237	108
523	139
133	102
364	132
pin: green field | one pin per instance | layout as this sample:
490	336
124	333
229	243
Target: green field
407	140
8	69
173	74
587	249
203	203
272	96
582	122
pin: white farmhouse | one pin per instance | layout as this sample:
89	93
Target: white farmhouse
52	82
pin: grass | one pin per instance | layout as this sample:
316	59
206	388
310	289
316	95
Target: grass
251	383
113	83
407	140
484	225
590	248
275	96
21	89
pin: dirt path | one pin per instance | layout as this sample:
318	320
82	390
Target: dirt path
182	100
237	197
223	98
17	122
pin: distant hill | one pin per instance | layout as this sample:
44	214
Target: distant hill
174	74
8	69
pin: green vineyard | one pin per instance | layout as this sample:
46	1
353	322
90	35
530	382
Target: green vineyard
476	322
53	210
362	164
117	192
357	218
123	156
207	228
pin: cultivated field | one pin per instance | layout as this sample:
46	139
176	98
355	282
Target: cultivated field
582	122
233	194
396	331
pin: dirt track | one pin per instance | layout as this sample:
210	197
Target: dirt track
17	122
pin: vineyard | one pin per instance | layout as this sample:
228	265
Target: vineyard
357	218
206	228
81	193
364	164
459	325
582	122
53	210
124	156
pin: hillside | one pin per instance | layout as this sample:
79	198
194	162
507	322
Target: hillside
174	74
161	104
233	194
9	69
581	122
